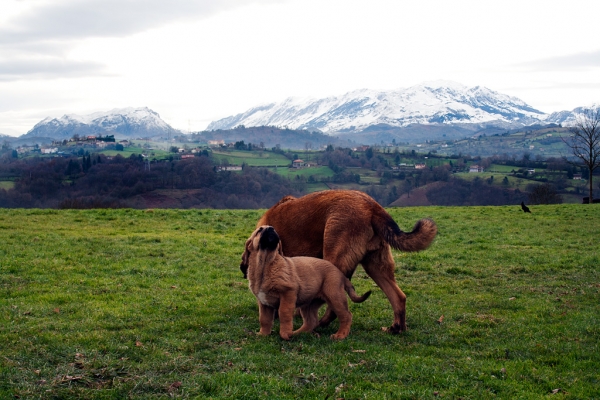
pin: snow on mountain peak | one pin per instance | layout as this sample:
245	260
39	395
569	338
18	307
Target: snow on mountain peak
434	102
126	122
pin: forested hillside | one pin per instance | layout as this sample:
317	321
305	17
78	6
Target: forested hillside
98	181
245	176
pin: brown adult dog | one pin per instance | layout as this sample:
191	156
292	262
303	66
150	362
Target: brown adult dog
348	228
284	283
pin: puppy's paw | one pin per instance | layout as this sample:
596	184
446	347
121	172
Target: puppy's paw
285	336
337	336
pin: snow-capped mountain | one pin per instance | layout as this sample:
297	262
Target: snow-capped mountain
121	122
439	102
567	118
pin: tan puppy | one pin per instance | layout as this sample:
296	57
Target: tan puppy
284	283
347	228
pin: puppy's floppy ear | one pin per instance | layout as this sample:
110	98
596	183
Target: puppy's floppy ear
269	239
245	257
244	269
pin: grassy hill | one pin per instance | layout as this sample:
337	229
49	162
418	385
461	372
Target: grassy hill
151	304
537	141
252	158
271	136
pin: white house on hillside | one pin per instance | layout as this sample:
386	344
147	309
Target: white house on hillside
299	164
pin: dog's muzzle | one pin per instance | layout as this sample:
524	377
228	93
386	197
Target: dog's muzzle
269	239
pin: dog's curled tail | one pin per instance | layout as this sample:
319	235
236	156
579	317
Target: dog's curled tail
352	293
418	239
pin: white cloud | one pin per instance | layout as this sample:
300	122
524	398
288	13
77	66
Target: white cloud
196	61
49	67
38	38
79	19
579	61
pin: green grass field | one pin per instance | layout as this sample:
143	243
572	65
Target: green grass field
506	169
514	182
317	172
252	158
128	151
112	304
7	185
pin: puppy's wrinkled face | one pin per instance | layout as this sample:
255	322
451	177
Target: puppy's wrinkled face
263	238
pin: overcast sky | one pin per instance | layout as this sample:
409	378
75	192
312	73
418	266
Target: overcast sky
195	61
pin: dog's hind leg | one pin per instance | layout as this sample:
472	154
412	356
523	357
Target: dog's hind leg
345	317
343	257
380	266
310	316
327	318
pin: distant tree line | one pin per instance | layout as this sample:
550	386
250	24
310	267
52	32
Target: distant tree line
99	181
477	192
95	180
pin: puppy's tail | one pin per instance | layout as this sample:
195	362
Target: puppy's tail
352	293
418	239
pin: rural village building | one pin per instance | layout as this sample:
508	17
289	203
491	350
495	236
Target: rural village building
230	168
300	164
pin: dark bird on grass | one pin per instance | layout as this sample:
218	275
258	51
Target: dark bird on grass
525	208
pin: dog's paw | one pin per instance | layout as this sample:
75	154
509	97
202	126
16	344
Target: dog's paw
285	336
337	336
396	328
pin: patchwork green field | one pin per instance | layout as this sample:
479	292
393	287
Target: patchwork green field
154	154
6	185
291	173
252	158
111	304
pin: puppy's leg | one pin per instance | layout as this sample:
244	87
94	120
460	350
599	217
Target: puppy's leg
337	301
345	318
310	316
327	318
287	305
379	265
330	313
265	317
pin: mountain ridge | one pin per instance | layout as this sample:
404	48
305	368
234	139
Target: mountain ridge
437	110
436	102
122	122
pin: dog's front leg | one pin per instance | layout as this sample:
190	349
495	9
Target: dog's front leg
265	317
287	305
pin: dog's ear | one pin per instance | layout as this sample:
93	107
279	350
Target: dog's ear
244	269
244	263
269	239
245	258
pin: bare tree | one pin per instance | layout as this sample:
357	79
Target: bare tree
584	141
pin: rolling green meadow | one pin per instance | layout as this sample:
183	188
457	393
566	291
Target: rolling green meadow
137	304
